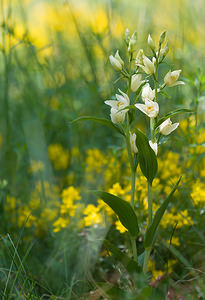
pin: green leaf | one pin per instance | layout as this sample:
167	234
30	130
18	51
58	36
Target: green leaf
123	209
103	121
164	94
150	234
173	113
130	265
112	292
147	157
178	254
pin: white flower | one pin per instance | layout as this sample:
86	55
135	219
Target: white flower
147	66
116	116
133	142
153	146
167	127
170	78
150	108
123	100
136	82
147	93
116	61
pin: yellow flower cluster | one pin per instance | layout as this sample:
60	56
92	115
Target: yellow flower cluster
59	156
156	273
198	193
98	163
92	216
36	166
174	241
39	212
181	218
70	197
120	227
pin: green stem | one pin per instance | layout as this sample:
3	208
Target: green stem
149	203
146	259
133	188
133	171
152	133
134	248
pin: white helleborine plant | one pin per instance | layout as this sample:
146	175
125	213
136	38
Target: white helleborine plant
116	115
154	147
136	82
116	61
147	93
167	127
170	78
150	108
133	142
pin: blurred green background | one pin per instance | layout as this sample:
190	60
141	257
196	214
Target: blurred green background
54	67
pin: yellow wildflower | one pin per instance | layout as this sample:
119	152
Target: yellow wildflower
92	216
59	156
120	227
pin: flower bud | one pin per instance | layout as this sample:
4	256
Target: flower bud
151	42
116	61
165	50
167	127
148	65
133	142
132	42
170	78
162	37
117	116
154	147
127	36
147	93
139	57
136	82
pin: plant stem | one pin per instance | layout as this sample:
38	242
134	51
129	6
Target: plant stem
149	203
146	259
134	248
132	167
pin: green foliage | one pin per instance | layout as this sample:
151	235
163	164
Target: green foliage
151	231
123	210
129	264
147	157
102	121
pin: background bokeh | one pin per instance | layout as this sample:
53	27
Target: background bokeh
54	67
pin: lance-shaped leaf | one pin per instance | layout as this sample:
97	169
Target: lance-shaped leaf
150	234
111	292
102	121
129	264
147	157
123	210
171	114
